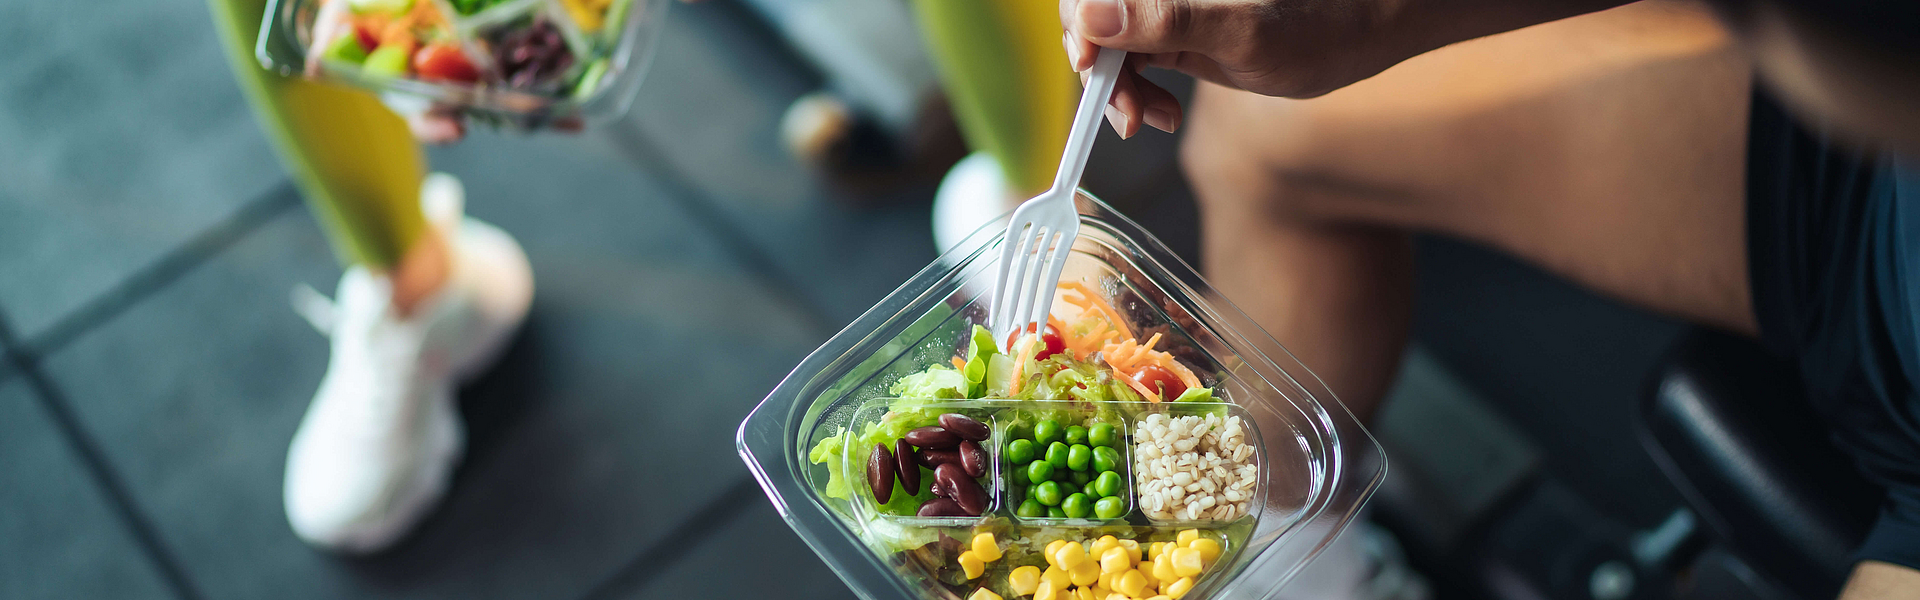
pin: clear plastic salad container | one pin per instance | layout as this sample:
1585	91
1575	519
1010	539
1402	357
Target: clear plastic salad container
1144	371
517	63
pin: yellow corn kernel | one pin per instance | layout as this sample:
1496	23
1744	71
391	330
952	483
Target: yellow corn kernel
1058	577
1047	591
1117	596
1085	593
1207	548
1131	583
1146	574
1163	587
971	564
1163	568
1154	550
1160	597
1105	581
1187	563
1187	537
1100	546
986	548
1180	588
984	594
1133	550
1024	580
1070	555
1087	574
1115	560
1053	546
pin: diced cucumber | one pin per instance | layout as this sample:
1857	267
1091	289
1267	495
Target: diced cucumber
387	61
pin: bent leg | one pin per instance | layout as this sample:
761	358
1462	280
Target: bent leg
354	160
1608	148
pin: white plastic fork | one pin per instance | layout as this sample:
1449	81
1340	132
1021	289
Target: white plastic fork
1041	233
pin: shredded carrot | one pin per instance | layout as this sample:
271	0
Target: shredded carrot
1101	323
1102	330
959	363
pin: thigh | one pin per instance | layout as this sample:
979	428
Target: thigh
1609	148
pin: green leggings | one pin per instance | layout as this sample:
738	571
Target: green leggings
354	161
1006	74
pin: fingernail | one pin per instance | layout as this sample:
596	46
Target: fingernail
1160	119
1101	18
1119	121
1073	50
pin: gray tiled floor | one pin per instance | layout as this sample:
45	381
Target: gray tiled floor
754	556
609	422
61	538
124	135
716	65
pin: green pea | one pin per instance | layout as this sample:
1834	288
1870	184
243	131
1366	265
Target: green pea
1039	471
1054	512
1077	477
1057	454
1064	476
1076	435
1047	493
1110	507
1109	484
1079	456
1102	434
1019	477
1089	490
1032	509
1077	506
1020	452
1046	432
1105	459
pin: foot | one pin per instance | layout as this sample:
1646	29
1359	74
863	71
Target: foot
378	445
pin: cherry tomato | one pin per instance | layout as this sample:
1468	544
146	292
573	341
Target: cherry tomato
444	62
1054	344
369	39
1050	342
1156	377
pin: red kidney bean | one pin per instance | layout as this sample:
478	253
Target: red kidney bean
880	473
932	438
941	507
964	491
932	459
965	427
973	459
908	468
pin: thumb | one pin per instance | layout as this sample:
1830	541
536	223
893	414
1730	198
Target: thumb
1153	26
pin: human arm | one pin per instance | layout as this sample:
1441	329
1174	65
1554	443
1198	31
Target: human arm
1875	580
1291	48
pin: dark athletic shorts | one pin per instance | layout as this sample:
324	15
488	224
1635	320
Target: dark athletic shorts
1833	242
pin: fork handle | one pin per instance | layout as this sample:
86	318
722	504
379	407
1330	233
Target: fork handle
1086	120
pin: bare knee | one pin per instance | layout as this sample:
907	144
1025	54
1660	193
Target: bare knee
1238	163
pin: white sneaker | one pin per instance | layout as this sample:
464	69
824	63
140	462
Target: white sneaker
379	443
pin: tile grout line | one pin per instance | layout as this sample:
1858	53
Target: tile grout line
651	563
119	497
22	361
655	560
158	274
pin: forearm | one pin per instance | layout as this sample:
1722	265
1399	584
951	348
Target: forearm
1875	580
1414	27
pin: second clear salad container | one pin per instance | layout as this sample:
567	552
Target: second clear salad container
1269	467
